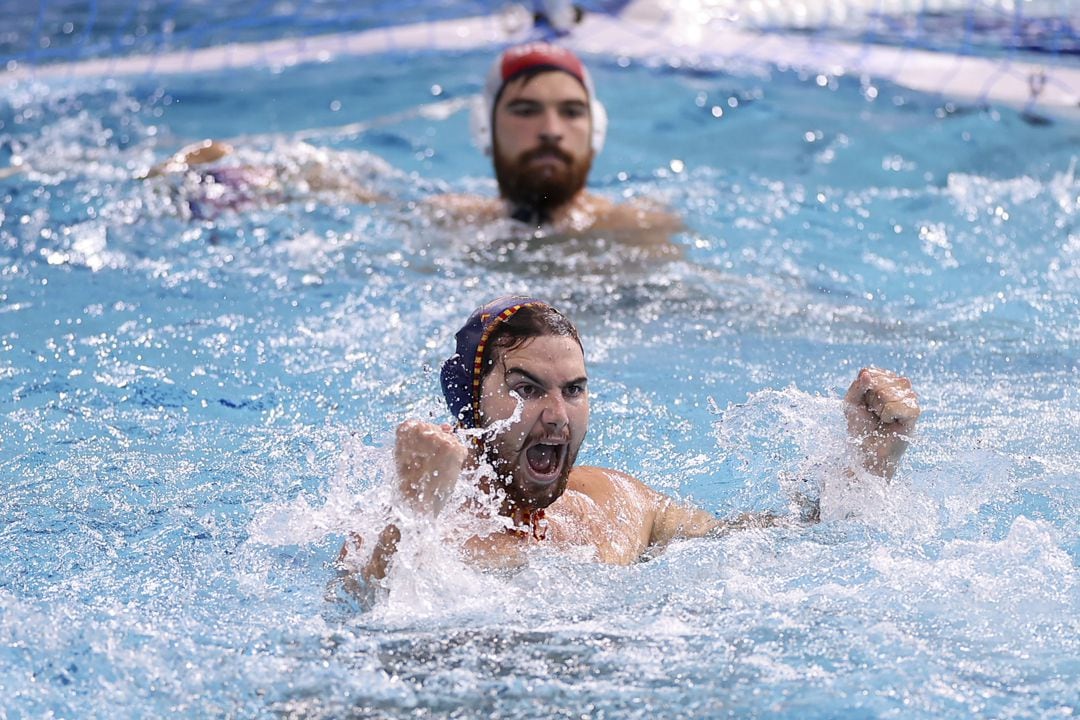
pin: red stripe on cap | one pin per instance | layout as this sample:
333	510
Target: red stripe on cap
518	59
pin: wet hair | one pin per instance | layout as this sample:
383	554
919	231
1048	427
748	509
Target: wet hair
531	321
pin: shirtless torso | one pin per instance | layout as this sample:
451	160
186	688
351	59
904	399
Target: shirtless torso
611	515
533	415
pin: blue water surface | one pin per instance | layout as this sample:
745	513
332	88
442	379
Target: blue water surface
193	413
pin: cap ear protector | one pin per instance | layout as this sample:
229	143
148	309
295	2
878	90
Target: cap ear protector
517	60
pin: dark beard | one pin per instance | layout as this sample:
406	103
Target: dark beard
514	496
535	196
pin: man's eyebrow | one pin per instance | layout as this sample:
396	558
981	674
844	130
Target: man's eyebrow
530	102
522	101
537	381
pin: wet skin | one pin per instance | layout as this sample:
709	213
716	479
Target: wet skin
613	514
533	455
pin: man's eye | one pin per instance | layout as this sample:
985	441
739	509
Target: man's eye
523	110
528	392
574	390
573	112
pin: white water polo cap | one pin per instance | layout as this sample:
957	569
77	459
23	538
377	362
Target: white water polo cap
516	61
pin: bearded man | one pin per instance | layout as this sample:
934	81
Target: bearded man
518	390
542	125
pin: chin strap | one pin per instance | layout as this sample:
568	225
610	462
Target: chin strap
527	521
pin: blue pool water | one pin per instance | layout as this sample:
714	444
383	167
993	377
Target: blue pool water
193	414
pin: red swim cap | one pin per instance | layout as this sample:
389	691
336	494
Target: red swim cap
529	56
515	61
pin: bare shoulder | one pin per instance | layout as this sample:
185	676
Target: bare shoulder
459	208
640	224
637	214
604	485
660	518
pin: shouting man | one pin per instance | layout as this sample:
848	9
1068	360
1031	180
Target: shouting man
518	386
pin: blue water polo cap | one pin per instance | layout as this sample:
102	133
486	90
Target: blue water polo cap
462	371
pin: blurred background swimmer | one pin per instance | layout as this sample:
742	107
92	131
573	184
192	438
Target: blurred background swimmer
542	125
210	177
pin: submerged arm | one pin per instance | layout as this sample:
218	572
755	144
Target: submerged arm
379	563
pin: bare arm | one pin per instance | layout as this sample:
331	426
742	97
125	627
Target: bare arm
657	518
199	153
429	459
675	520
881	411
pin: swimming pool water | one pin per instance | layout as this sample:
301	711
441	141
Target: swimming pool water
193	414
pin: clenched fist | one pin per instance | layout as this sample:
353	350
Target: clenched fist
429	459
881	410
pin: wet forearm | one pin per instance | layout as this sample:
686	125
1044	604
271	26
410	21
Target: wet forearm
379	562
674	521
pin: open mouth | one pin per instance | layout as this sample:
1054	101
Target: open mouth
545	460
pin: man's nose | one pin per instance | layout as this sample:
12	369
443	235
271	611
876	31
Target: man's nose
551	126
555	416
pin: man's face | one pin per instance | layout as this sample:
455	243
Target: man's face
542	140
534	454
